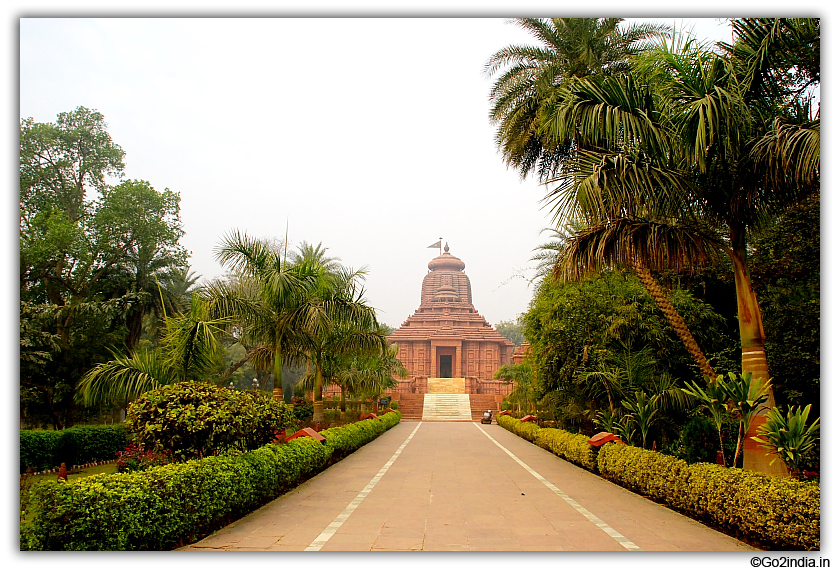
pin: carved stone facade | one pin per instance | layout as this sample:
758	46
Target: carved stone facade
447	338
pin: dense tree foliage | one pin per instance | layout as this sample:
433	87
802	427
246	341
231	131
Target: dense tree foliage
597	341
91	256
511	330
786	268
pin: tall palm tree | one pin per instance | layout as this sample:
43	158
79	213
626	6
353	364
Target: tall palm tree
268	284
533	84
683	158
530	75
362	373
332	319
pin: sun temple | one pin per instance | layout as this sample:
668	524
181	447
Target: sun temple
446	337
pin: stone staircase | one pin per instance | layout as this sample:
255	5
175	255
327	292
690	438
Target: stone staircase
480	403
446	402
447	408
411	406
446	386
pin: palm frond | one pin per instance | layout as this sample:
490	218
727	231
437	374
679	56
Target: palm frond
124	378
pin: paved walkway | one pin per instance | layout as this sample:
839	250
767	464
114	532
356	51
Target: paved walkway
453	486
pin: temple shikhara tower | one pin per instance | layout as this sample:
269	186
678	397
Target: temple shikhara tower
446	338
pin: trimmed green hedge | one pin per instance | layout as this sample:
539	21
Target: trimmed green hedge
778	512
174	504
527	430
344	440
771	510
570	446
43	449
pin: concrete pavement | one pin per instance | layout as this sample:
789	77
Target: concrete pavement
450	486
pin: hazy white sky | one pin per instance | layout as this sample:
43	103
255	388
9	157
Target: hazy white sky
370	136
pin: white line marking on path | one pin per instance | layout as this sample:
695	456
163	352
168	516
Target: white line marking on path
331	529
620	538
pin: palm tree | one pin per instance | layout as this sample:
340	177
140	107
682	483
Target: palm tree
530	76
680	160
189	351
366	374
332	319
371	374
266	287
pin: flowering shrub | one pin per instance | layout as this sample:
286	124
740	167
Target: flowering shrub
134	458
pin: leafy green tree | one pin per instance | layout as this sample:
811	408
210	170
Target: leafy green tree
80	240
47	387
511	330
597	341
61	256
785	265
147	224
60	162
525	388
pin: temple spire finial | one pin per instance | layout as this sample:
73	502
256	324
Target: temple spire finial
446	248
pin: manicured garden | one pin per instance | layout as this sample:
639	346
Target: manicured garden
200	458
777	513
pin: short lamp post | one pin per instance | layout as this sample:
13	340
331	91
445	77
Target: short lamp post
256	384
230	386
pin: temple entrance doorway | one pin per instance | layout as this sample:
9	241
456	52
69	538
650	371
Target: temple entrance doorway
445	367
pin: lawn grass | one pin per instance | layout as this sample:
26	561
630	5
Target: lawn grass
77	474
30	480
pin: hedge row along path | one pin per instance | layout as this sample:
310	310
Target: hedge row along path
462	486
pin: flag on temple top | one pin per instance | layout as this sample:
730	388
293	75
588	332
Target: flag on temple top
436	244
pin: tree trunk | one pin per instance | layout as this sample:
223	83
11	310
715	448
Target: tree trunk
317	395
753	359
135	328
674	318
278	376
